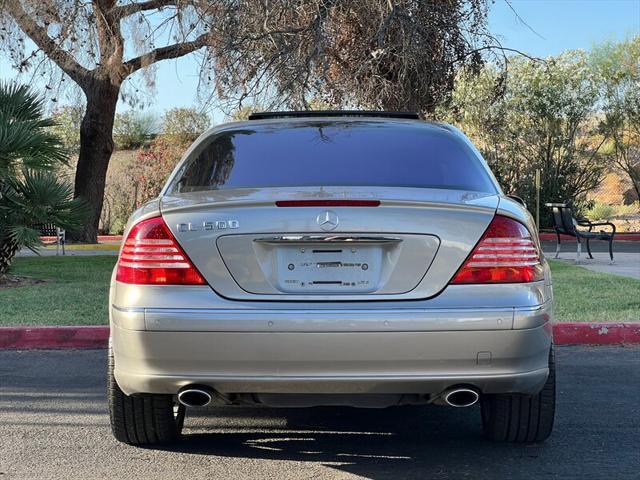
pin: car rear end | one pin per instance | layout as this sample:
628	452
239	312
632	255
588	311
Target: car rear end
338	260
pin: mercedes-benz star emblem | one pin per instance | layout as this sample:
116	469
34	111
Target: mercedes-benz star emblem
328	220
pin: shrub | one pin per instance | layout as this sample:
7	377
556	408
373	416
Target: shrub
625	210
242	113
119	194
600	211
135	177
133	129
152	167
184	125
67	127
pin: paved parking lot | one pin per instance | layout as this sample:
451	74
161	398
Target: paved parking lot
53	424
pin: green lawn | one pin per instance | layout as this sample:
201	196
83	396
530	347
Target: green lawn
585	296
76	293
77	289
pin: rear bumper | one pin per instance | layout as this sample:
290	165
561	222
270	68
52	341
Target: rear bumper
332	352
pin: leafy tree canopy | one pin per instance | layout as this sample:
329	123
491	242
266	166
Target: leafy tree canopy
543	116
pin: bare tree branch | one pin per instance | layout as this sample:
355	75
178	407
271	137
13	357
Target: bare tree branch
387	54
40	37
500	48
109	34
132	8
164	53
521	20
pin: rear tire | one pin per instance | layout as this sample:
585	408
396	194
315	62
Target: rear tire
519	418
144	419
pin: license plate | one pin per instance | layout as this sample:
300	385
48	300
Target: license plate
339	268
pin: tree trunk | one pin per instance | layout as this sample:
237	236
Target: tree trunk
8	250
96	147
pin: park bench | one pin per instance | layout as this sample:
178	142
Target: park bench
50	230
566	223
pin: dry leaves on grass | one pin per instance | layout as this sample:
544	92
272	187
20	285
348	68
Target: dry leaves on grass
14	281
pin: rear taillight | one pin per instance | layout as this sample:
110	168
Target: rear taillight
151	256
506	253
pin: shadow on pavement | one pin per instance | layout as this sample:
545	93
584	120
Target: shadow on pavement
393	443
54	424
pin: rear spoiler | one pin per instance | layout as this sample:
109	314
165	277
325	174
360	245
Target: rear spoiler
333	113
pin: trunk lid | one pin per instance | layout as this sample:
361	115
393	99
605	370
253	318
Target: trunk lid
408	247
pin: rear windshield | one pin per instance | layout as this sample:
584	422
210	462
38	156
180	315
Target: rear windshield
356	153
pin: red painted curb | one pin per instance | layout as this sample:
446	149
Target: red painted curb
104	238
565	333
53	337
602	333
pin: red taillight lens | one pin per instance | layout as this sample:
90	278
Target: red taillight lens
151	256
506	253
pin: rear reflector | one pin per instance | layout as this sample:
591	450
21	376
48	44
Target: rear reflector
506	253
327	203
151	256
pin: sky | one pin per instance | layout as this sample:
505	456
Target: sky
563	24
552	26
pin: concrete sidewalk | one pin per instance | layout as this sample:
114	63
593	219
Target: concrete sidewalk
626	264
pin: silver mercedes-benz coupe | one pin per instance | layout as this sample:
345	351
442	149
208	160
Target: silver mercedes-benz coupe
365	259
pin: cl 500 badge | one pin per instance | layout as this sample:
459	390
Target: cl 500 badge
218	225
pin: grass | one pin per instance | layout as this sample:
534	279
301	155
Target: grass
75	294
87	246
585	296
77	288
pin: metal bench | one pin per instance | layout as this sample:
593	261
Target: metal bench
50	230
566	223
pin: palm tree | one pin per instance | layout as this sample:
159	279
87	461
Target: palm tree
30	192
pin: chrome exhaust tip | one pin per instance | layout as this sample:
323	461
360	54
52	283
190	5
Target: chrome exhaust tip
195	397
461	397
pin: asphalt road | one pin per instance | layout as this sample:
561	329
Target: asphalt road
53	424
